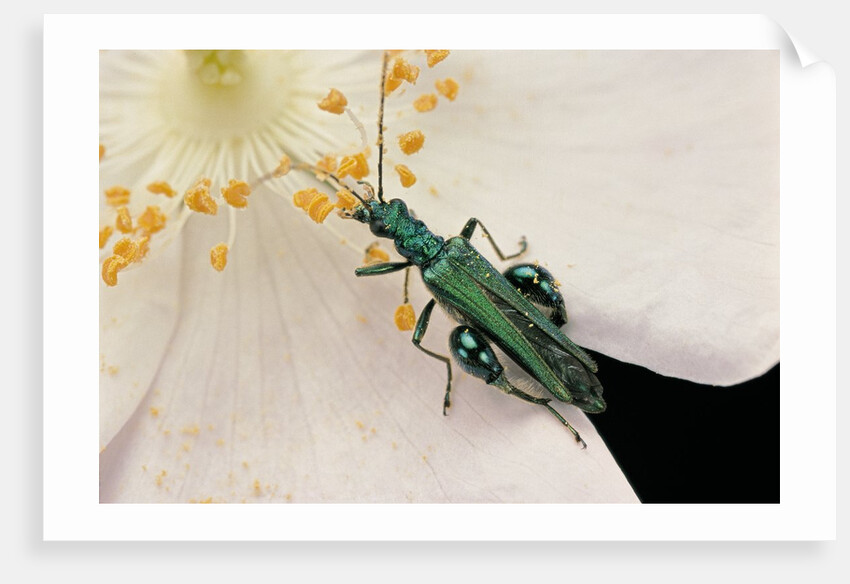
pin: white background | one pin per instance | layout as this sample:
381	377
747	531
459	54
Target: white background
816	28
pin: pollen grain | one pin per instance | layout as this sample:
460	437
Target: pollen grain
104	235
435	57
198	198
117	196
375	255
123	221
334	102
161	187
111	266
411	142
218	256
448	88
408	179
425	103
283	167
354	166
236	193
152	220
405	317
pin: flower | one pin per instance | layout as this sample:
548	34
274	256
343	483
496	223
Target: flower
647	182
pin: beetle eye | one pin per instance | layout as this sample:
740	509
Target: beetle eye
379	228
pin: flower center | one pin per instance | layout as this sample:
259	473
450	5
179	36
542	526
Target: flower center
225	95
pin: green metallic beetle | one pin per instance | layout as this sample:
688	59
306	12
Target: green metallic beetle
490	306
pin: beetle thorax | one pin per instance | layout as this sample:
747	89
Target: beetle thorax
412	238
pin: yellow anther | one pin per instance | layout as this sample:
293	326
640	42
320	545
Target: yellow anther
355	166
161	187
334	103
411	142
447	87
316	204
391	84
400	71
425	103
345	200
102	152
198	198
375	255
123	222
404	70
104	235
327	164
283	167
126	248
142	242
407	177
435	57
152	220
320	208
302	199
218	256
117	196
405	318
236	193
111	267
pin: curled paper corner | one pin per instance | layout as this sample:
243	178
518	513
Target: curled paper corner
790	44
805	56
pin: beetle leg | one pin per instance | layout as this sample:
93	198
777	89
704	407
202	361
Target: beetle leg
469	229
418	333
379	269
473	353
509	389
538	285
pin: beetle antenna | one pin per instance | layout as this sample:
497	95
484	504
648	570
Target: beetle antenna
381	126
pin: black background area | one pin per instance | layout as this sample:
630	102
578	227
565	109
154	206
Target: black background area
681	442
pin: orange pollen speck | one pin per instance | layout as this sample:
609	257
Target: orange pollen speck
407	177
356	166
236	193
327	164
123	221
448	88
345	200
375	255
391	84
111	267
198	198
117	196
334	103
152	220
405	318
404	70
283	167
143	247
435	57
104	235
126	248
161	187
102	152
316	204
302	199
425	103
218	256
411	142
319	209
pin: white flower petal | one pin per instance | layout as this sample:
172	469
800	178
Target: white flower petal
137	319
286	380
646	181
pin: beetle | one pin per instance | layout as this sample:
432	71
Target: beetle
505	309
